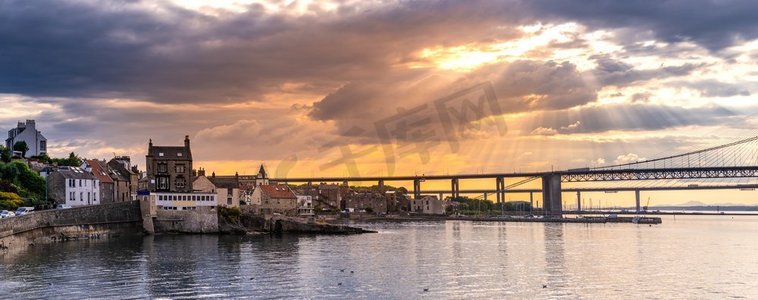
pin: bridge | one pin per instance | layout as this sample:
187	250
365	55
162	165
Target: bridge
705	169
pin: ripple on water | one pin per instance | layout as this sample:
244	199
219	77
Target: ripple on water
449	259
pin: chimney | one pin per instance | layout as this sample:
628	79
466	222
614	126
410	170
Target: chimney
151	144
213	175
186	141
201	172
30	124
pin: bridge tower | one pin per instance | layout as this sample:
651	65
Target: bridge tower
500	189
551	196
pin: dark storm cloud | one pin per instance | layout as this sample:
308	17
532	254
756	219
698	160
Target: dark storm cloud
159	52
710	23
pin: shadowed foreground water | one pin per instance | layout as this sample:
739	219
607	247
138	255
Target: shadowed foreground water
686	257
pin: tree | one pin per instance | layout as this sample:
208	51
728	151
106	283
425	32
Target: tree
21	146
72	160
10	201
29	184
5	154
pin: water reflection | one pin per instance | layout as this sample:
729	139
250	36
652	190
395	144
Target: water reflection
703	258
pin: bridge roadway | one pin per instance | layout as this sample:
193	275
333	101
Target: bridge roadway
551	181
574	175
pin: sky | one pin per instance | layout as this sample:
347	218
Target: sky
334	88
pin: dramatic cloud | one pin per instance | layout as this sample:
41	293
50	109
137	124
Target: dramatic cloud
712	24
481	81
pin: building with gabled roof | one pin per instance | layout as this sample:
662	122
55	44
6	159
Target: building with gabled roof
275	198
27	132
169	168
73	186
226	189
122	169
100	170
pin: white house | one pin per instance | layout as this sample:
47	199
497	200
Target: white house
27	132
73	186
304	205
428	205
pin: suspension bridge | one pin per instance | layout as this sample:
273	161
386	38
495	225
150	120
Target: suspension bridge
728	166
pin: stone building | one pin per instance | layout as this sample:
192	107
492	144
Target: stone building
73	186
330	197
275	198
227	189
100	170
371	202
169	168
28	133
126	178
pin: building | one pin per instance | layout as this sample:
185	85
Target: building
305	205
28	133
330	197
100	170
366	201
73	186
261	178
275	198
125	177
169	168
226	189
428	205
183	201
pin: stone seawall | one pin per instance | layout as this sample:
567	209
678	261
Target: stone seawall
96	221
201	220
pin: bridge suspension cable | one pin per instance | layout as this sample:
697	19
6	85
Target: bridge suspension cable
742	152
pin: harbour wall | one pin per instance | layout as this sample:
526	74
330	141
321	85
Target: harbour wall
95	221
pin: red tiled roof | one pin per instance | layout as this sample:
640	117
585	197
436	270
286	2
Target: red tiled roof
279	191
100	171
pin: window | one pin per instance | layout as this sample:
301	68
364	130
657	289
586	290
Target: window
178	154
80	183
179	168
81	196
180	182
43	146
163	183
162	168
160	153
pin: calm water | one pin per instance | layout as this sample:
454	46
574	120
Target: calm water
687	257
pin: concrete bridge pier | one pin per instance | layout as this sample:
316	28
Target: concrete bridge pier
551	196
416	188
455	187
381	184
578	201
637	201
531	199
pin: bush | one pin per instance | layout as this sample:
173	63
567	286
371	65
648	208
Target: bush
231	215
10	201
